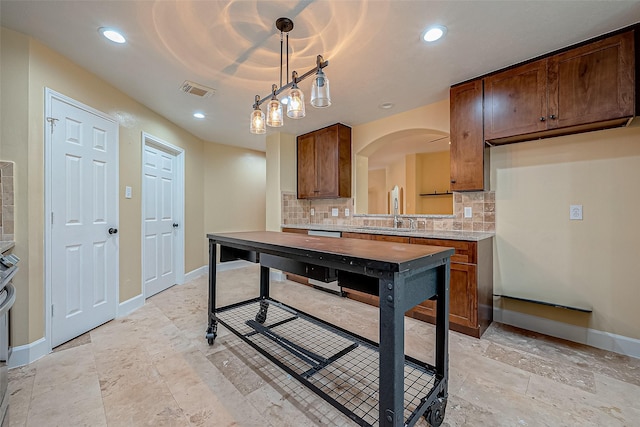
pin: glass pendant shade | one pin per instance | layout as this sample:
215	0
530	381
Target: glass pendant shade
257	122
295	106
274	113
320	95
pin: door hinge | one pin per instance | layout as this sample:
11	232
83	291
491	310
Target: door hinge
52	121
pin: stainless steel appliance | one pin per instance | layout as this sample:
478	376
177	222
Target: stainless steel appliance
8	269
334	286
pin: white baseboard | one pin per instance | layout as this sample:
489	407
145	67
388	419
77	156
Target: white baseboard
593	337
231	265
25	354
196	273
277	275
130	305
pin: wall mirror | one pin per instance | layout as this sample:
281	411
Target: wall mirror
414	160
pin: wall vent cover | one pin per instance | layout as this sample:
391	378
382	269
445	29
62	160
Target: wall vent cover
197	89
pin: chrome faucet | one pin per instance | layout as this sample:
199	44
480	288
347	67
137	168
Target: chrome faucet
397	221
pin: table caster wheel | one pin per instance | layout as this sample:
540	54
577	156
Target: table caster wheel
435	413
261	317
211	334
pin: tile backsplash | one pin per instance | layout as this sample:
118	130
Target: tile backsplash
6	195
482	204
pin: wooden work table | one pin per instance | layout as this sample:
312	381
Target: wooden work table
406	275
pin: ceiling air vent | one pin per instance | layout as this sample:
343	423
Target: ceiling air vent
197	89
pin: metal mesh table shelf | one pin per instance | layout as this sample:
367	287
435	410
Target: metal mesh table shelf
346	368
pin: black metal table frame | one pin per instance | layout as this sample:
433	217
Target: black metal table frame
399	291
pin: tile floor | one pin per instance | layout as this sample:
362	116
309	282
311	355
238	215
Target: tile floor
154	367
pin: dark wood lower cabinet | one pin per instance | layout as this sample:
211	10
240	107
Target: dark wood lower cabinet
470	283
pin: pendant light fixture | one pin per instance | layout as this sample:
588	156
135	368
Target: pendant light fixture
295	100
257	119
274	110
320	96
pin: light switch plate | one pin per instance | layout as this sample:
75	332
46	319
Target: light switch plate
312	212
468	213
575	212
127	192
334	211
346	211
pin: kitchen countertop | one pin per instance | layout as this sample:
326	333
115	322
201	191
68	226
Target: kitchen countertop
473	236
6	245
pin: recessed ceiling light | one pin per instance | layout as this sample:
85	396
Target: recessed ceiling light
198	115
112	34
433	33
386	105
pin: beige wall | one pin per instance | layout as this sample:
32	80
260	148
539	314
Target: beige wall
541	254
378	191
433	174
235	189
215	175
281	175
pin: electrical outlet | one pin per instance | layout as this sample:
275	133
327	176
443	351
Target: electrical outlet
468	213
313	211
334	211
127	192
346	211
575	212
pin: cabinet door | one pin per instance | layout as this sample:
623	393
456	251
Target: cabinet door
306	167
515	101
467	143
326	154
592	83
463	299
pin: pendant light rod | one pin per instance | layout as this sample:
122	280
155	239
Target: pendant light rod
320	64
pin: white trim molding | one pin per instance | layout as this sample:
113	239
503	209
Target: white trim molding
129	306
25	354
592	337
194	274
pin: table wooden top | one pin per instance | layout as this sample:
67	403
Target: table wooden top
397	256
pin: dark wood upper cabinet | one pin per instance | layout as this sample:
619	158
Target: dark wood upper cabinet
585	88
467	143
593	83
324	163
516	101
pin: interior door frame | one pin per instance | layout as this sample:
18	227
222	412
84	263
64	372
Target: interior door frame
49	96
178	205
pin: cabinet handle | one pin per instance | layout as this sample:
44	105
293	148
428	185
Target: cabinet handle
552	117
542	119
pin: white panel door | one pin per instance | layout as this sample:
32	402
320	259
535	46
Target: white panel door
84	167
159	192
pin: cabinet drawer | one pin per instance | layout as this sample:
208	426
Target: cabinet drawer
387	238
466	252
294	230
362	236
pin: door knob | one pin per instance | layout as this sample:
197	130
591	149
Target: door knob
113	230
175	225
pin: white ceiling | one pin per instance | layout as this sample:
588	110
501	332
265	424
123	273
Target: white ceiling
374	50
